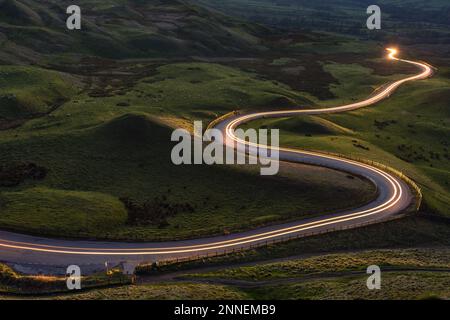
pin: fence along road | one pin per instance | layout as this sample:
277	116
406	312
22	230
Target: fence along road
395	194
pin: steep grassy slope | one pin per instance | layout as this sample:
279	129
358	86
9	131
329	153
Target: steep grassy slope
334	263
396	286
31	30
178	92
407	274
129	156
97	147
67	158
101	145
27	92
400	18
407	131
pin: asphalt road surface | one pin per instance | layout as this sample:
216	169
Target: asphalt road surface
32	254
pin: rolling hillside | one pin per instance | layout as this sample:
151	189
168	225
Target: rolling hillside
34	30
399	21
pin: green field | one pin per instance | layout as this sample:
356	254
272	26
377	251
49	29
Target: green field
406	274
27	93
85	141
115	136
400	19
412	232
428	258
410	286
36	32
406	132
330	276
166	291
97	150
396	286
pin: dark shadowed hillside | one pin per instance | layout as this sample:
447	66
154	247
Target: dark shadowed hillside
31	30
400	19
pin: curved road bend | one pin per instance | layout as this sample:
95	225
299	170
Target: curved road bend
38	253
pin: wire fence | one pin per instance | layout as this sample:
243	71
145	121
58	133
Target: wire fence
412	184
401	175
418	195
281	239
150	267
222	118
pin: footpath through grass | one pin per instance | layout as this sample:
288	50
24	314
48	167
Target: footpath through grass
406	274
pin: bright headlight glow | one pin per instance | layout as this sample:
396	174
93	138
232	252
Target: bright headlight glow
391	205
392	53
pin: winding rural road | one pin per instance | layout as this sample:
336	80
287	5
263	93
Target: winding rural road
32	254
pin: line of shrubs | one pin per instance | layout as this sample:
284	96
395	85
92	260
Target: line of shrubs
154	212
13	175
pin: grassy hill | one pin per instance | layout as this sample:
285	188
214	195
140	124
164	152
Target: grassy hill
129	156
35	31
27	92
414	274
86	119
406	131
112	139
400	18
